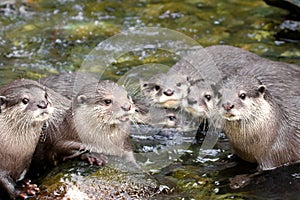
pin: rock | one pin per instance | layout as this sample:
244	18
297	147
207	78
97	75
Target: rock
291	5
78	180
289	29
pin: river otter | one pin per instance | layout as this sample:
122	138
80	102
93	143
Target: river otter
201	100
24	107
101	116
97	123
161	117
260	128
212	64
164	90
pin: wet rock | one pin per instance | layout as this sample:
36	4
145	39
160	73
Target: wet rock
289	30
291	5
78	180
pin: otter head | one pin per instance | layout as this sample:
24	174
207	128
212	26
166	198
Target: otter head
163	117
201	100
25	99
166	90
105	103
244	98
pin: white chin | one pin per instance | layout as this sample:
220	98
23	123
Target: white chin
231	118
170	104
42	117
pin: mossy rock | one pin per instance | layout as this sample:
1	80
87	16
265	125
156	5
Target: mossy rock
79	180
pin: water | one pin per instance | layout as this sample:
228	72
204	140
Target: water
40	37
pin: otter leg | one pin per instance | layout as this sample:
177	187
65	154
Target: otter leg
95	158
8	184
70	149
129	157
240	181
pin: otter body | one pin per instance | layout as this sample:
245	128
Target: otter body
260	128
24	108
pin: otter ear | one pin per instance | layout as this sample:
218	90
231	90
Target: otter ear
262	89
81	99
2	103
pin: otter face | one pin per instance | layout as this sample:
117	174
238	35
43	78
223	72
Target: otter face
166	90
163	117
243	98
106	103
29	101
200	101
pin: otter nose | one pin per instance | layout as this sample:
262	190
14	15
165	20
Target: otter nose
126	106
228	106
42	104
168	92
191	101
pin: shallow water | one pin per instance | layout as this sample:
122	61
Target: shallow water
56	36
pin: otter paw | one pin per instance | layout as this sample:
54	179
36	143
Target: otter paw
95	158
240	181
27	190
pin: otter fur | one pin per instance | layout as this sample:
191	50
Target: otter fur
260	128
24	107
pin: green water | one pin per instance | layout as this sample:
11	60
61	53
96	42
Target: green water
55	36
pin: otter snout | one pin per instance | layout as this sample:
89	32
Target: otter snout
126	107
191	101
228	106
42	104
168	92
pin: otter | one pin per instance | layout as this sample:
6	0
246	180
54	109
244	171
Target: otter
201	99
24	107
165	90
95	124
213	63
101	117
161	117
261	128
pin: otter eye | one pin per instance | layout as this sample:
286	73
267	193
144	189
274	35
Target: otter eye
25	101
46	96
157	87
242	96
145	85
178	84
172	118
107	101
208	97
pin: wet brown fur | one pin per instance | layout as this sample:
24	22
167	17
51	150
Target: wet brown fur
266	132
